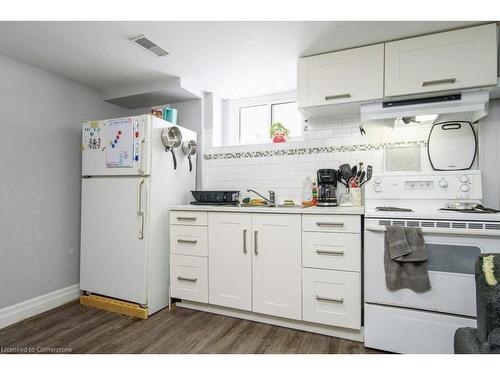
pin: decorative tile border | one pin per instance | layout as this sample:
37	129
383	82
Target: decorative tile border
310	150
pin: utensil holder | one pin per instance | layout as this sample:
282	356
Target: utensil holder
357	196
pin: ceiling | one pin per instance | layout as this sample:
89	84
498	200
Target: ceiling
231	59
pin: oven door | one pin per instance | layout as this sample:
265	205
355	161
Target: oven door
451	262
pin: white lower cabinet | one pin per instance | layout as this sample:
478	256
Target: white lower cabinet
189	277
299	267
255	262
230	260
332	297
277	265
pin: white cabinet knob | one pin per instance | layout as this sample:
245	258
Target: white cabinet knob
377	188
377	180
443	183
464	187
464	179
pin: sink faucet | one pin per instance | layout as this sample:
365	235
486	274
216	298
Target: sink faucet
271	201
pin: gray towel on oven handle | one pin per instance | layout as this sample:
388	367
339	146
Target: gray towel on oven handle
416	242
411	274
396	240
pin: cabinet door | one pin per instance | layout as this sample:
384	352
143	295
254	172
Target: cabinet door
442	62
230	260
277	265
341	77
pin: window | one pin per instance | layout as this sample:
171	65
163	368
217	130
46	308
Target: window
288	115
254	124
249	120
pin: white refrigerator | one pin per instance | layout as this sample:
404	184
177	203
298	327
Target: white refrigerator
128	184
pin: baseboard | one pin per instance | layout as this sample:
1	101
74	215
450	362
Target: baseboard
26	309
350	334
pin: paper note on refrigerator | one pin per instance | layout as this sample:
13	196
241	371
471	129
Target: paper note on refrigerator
120	143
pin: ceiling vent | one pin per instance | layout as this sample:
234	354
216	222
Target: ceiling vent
148	45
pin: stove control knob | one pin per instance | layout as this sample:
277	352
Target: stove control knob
443	183
464	179
464	187
377	180
377	188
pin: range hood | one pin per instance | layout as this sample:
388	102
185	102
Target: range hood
465	106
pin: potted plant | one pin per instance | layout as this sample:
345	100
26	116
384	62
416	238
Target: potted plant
278	132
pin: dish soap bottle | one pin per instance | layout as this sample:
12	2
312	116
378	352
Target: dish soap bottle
307	192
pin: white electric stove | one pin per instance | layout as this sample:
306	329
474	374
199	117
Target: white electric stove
404	321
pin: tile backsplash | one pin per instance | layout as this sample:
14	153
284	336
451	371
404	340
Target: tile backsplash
283	167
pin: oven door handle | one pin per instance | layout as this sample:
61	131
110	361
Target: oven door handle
461	232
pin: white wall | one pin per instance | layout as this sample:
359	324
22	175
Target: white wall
329	143
283	167
40	122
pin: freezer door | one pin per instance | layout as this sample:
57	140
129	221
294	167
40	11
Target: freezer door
114	238
116	147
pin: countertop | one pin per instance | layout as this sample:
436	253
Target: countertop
356	210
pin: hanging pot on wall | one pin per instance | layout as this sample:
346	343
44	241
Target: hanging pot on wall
171	138
189	148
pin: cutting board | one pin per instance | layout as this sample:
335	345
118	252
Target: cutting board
452	146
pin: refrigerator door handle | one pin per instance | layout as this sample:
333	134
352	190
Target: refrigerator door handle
139	208
141	167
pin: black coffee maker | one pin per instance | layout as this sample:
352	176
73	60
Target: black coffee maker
327	188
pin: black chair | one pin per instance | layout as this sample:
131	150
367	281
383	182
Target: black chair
486	338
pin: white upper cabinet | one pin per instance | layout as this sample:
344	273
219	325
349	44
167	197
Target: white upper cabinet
348	76
442	62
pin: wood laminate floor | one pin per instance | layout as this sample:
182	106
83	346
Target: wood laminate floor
80	329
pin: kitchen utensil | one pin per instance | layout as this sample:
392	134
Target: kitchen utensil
369	171
361	177
346	173
452	146
339	179
171	138
461	205
354	170
189	149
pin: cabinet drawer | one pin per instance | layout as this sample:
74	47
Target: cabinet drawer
334	251
188	240
331	223
331	297
188	218
189	278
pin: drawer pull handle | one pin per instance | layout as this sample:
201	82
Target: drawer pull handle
335	97
439	82
328	299
326	224
186	218
330	252
187	241
193	279
255	243
244	241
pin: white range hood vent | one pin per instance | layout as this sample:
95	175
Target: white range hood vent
465	106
